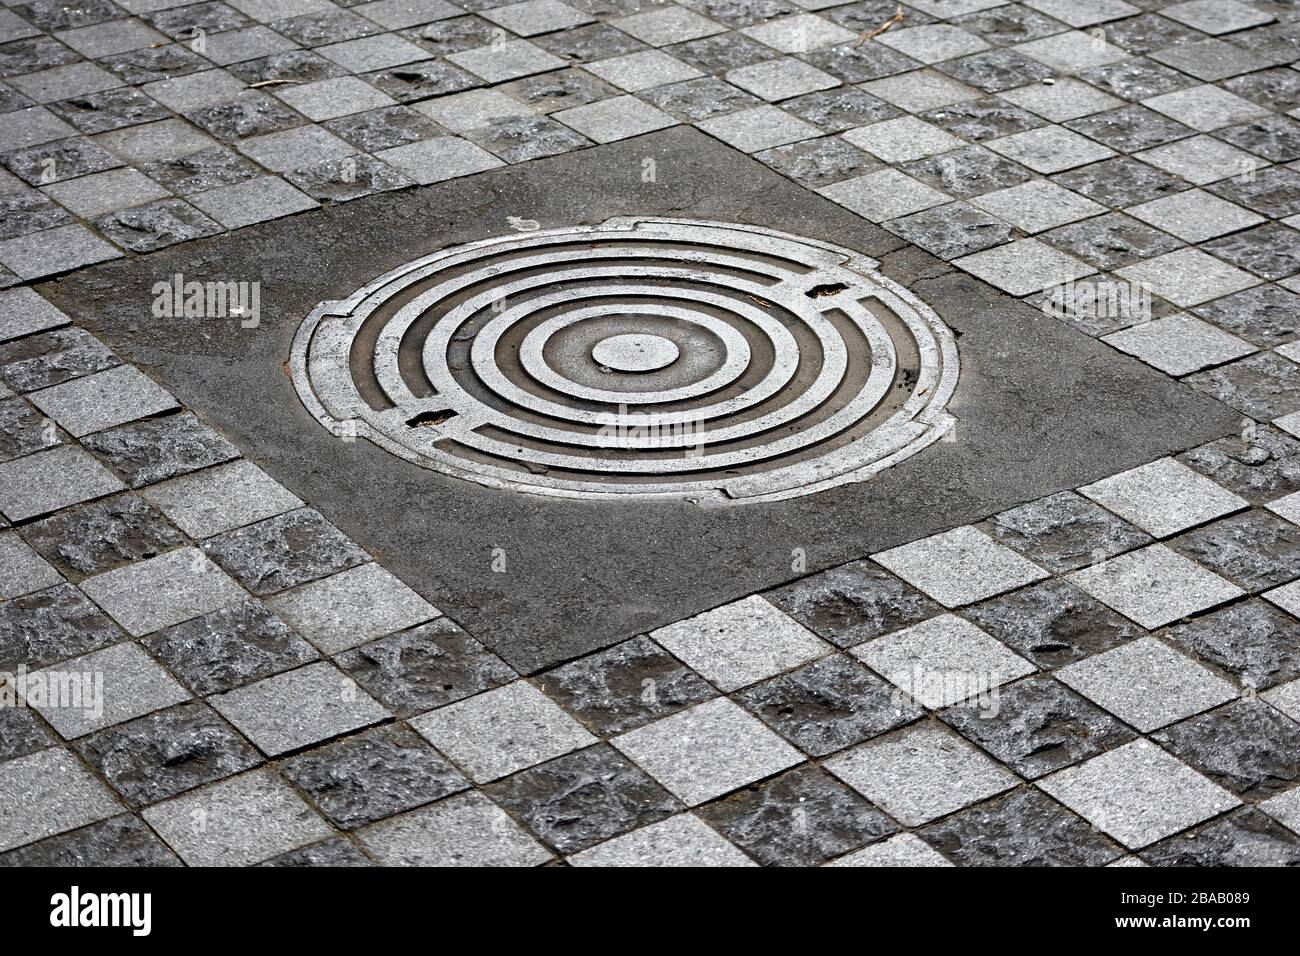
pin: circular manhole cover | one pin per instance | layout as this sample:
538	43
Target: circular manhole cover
701	360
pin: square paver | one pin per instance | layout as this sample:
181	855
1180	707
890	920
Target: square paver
905	849
960	566
903	139
500	731
1037	205
1164	497
708	750
171	588
497	63
1072	52
1206	107
670	24
681	841
1155	586
472	109
1066	99
116	684
741	643
1024	266
945	660
221	499
1050	149
763	127
1200	159
615	118
644	70
883	195
256	200
1180	344
1147	684
465	830
921	90
298	708
50	480
92	196
781	79
932	42
349	608
22	570
23	312
238	821
49	792
1138	794
920	772
1195	216
1188	277
1217	16
440	158
340	96
536	16
95	402
799	33
52	251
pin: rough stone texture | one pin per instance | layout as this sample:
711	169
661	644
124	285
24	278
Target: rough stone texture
801	818
23	430
1064	532
1244	838
154	450
330	853
1254	550
578	800
373	775
1246	747
1024	828
52	625
1261	464
121	841
1253	641
22	733
50	358
92	538
167	752
284	551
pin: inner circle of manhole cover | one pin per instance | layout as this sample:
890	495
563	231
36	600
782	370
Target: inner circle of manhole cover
711	361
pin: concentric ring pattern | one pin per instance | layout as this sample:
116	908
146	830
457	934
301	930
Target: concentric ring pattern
712	361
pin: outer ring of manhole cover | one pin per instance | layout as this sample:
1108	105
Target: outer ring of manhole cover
781	365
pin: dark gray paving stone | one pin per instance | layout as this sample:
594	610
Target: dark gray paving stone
160	448
39	361
1052	623
331	853
120	841
1065	532
252	114
953	230
183	23
1253	641
1279	43
453	35
1272	192
1148	32
523	138
740	13
300	66
1120	182
22	733
92	538
859	63
562	89
722	52
417	81
1276	89
284	551
1040	725
23	430
819	162
984	119
994	71
597	41
1276	138
1210	59
35	53
1261	464
373	775
327	26
969	171
11	100
1023	828
840	109
1245	746
1254	550
349	177
200	171
156	225
1270	250
1136	79
801	818
829	704
383	128
63	16
60	160
694	100
1005	25
1130	128
109	109
29	211
229	648
582	798
1264	386
426	667
625	687
168	752
1112	241
1266	315
853	603
150	64
52	625
1245	837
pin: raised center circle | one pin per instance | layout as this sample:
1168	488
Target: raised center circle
635	352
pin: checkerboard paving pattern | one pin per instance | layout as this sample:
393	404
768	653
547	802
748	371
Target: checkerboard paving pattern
1106	676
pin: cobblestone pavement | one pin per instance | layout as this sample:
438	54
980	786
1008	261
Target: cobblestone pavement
1105	676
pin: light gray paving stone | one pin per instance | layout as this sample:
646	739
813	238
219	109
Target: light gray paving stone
781	79
299	708
740	643
1286	697
932	42
921	90
1179	344
92	196
945	660
220	499
95	402
1194	216
1287	597
707	750
1200	159
1285	809
1164	497
759	128
644	70
50	480
256	200
1024	266
1154	586
1084	13
53	251
398	14
23	311
117	684
472	109
1287	507
22	570
238	821
615	118
438	159
1206	107
683	840
1147	684
165	139
1066	99
960	566
1050	149
1072	52
149	595
47	793
903	139
669	24
799	33
1289	423
1037	205
349	608
920	772
1138	794
30	127
378	52
287	149
903	849
1217	16
339	96
1188	277
64	82
883	195
497	732
196	90
507	61
537	16
464	830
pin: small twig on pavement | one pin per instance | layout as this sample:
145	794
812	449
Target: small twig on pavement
896	18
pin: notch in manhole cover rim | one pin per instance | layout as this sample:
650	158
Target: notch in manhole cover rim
644	356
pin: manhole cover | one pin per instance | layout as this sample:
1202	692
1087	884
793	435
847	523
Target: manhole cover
712	361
